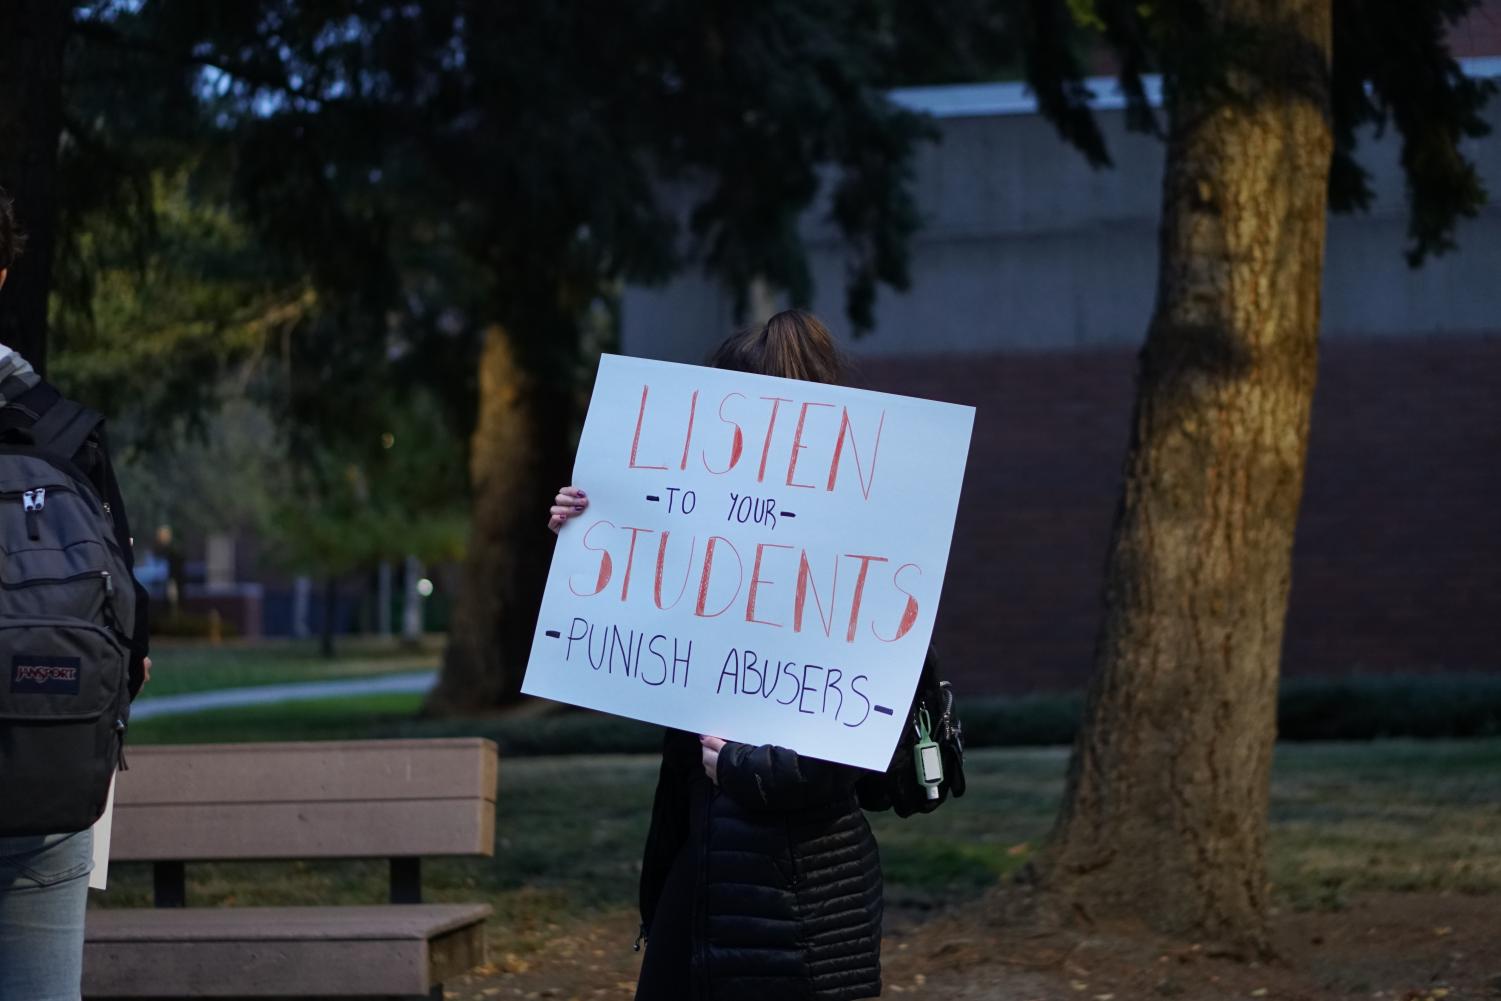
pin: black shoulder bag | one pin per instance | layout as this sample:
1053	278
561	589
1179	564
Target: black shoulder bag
932	735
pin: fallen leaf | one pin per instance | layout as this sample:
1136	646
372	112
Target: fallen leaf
1020	849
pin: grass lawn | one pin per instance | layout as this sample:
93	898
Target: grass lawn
1346	818
353	717
178	667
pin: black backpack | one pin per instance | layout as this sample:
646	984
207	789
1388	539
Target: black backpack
899	788
67	607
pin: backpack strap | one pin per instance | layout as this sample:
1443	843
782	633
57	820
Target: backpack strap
64	427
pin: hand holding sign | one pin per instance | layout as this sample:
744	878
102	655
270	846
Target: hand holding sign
569	503
762	557
712	746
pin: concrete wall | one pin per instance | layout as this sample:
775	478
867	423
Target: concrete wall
1025	247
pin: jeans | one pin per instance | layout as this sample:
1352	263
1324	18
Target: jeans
44	888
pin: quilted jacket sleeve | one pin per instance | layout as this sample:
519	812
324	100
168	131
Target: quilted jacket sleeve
776	778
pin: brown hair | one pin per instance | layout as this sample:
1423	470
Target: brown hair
12	240
793	344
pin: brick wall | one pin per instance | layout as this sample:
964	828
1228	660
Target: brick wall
1479	34
1397	566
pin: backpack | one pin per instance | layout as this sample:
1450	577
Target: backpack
899	788
67	606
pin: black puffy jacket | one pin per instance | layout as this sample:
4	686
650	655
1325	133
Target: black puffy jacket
789	882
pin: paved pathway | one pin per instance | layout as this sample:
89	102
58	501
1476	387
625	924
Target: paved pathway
257	695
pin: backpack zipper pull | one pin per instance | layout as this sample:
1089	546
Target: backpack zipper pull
33	501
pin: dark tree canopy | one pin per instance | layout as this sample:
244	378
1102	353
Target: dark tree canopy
456	163
547	150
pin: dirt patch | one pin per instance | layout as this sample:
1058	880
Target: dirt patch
1404	947
1398	947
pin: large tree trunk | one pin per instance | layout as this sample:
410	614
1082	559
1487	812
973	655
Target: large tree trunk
519	456
1165	814
32	36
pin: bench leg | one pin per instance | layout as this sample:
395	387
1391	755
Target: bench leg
169	884
406	881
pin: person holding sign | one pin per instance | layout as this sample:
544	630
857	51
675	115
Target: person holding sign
760	876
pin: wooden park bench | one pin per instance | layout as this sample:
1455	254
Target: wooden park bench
402	800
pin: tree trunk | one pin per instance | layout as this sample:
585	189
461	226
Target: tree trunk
32	37
519	456
1165	813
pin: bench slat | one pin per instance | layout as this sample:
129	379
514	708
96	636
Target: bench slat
310	771
271	924
303	830
280	952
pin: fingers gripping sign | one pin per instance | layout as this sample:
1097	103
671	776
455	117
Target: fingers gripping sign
569	503
712	747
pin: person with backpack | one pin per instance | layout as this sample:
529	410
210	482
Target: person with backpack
73	653
761	877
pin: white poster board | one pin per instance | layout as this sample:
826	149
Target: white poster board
761	558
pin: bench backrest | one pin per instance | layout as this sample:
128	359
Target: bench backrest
335	799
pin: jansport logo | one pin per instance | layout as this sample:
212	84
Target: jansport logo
42	675
34	675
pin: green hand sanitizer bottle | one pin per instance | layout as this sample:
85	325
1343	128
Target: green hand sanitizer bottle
929	761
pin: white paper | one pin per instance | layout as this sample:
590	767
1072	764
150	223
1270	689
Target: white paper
100	874
863	486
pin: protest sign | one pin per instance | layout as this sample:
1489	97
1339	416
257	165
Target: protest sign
761	558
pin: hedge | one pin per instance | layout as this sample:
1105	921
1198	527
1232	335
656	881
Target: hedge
1350	708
